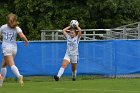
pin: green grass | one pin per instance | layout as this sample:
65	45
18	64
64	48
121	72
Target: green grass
65	85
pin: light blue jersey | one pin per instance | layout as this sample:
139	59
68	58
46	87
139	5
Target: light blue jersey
72	45
9	46
9	35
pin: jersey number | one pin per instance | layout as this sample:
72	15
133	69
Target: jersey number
9	36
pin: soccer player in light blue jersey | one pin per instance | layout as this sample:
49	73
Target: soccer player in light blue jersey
72	34
9	33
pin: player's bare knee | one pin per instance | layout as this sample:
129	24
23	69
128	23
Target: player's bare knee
64	66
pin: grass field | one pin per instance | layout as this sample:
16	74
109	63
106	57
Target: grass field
82	85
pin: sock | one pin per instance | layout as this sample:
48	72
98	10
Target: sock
74	74
15	71
3	73
60	72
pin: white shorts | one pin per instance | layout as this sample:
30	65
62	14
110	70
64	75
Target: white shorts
71	58
9	51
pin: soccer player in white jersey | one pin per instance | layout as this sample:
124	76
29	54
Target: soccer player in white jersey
72	35
9	33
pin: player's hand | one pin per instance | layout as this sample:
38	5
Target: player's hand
77	24
68	30
26	43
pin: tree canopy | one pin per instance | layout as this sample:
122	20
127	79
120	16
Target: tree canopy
35	15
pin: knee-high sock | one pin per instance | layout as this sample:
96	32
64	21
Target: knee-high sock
74	74
60	72
3	73
15	71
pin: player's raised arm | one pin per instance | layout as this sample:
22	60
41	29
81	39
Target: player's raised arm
65	30
79	31
22	36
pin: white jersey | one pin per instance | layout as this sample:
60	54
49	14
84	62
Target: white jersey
9	35
72	45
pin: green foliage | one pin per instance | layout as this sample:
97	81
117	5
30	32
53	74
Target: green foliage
3	14
35	15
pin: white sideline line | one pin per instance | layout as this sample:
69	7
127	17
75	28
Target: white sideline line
113	90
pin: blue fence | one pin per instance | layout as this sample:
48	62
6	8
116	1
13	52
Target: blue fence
96	57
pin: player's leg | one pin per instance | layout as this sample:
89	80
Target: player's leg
10	61
20	78
64	65
65	62
9	54
61	70
74	67
3	72
74	71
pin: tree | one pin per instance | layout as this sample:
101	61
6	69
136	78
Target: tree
35	15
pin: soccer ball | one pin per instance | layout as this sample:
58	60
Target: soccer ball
74	23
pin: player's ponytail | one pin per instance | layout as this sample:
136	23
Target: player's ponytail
12	20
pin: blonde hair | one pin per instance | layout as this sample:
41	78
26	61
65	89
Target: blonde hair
12	20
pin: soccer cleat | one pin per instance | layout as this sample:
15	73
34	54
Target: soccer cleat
20	80
56	78
73	79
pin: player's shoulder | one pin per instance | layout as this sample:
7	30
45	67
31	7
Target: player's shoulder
18	29
4	26
67	35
